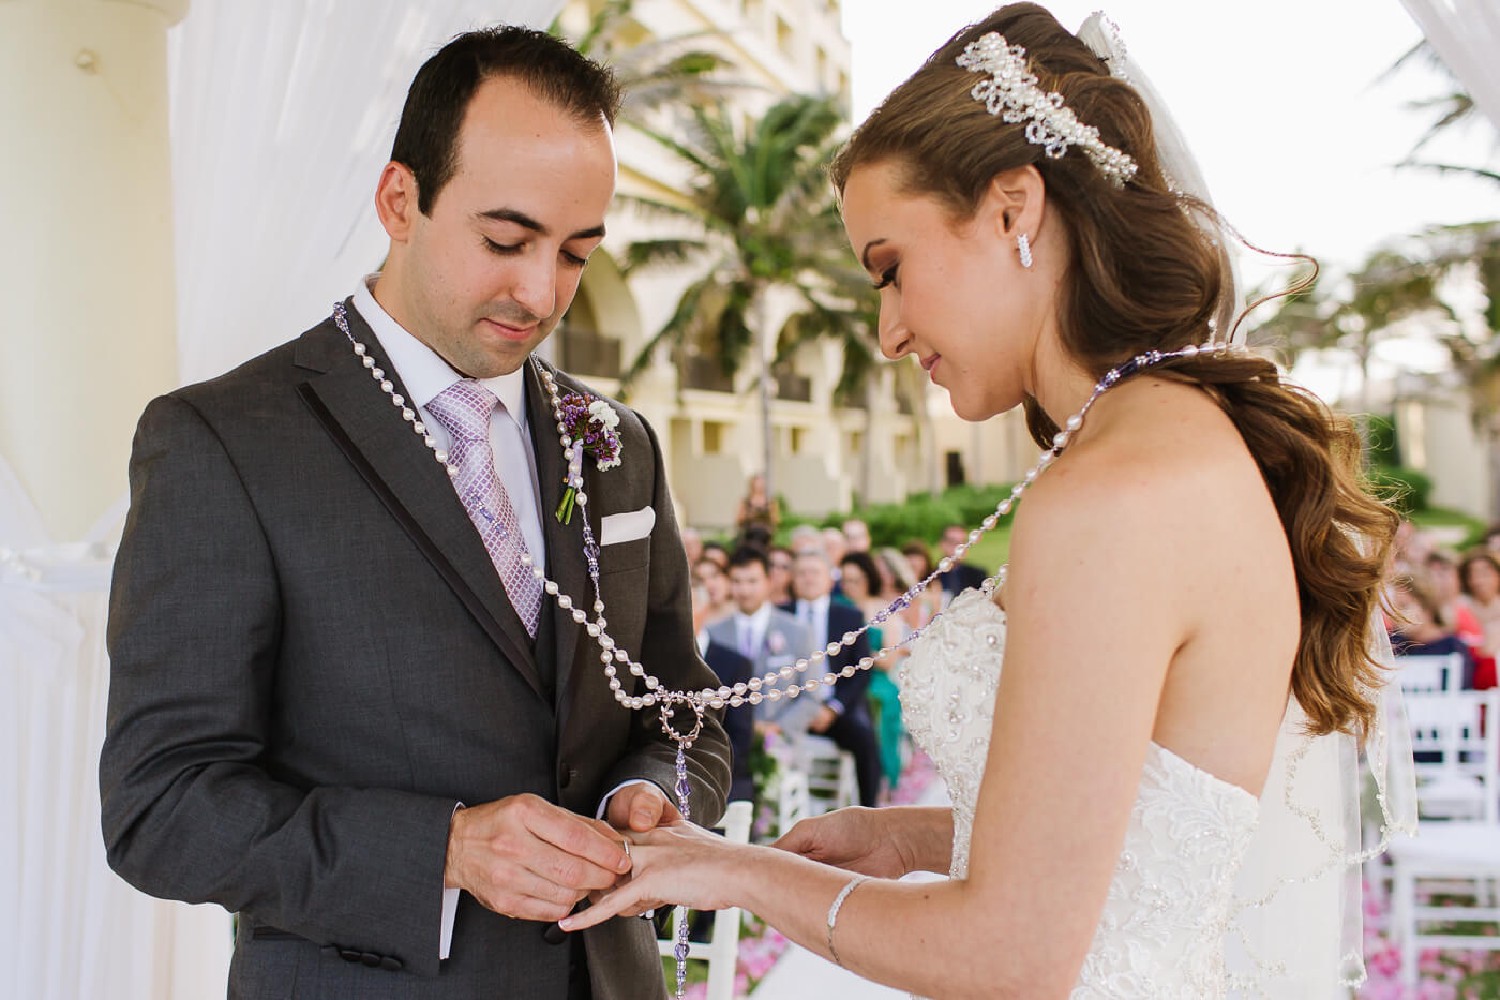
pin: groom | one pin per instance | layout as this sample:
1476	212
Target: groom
341	704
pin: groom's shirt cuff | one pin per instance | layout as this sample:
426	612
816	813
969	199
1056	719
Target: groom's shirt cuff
604	802
450	907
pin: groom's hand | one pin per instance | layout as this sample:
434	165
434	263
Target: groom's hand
526	858
640	807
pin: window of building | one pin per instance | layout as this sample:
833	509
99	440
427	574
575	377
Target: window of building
785	41
751	10
798	440
820	62
713	437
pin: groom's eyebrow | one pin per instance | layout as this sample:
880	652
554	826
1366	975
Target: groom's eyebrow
864	257
525	221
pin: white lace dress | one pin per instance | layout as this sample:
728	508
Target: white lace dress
1161	935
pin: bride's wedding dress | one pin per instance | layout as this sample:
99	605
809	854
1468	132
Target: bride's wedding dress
1162	931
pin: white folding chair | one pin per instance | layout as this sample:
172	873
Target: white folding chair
793	800
831	780
1429	674
721	950
1458	857
1456	741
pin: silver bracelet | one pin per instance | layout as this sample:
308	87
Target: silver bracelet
833	912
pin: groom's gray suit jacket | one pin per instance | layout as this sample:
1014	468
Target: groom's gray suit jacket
313	661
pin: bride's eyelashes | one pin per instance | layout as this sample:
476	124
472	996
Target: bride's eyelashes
888	277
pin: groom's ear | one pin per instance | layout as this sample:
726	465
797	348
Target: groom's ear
396	201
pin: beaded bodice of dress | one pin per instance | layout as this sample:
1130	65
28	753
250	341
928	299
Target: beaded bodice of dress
1162	930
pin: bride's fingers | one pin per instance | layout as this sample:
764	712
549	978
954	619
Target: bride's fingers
626	899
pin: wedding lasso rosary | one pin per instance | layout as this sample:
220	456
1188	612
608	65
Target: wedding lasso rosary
774	685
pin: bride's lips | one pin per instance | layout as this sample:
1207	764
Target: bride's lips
930	362
505	330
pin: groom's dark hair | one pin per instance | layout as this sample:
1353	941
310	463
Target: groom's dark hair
427	138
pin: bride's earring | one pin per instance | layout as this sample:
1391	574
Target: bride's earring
1024	246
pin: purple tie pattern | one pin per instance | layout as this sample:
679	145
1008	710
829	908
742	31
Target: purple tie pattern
464	408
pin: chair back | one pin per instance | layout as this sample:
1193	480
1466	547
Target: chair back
1428	674
1456	745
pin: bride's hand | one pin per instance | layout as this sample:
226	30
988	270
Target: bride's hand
679	864
857	839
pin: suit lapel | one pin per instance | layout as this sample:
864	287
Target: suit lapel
416	489
565	560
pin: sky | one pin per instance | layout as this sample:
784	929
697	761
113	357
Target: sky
1279	100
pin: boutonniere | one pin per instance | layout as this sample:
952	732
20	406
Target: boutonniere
590	424
775	643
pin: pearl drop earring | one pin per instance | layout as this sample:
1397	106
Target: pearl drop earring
1024	246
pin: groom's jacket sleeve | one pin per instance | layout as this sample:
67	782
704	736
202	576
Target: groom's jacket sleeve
669	650
190	810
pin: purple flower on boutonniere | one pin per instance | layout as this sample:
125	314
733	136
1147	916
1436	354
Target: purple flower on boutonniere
590	422
775	642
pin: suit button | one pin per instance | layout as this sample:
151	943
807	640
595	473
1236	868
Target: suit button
349	954
390	964
564	775
369	960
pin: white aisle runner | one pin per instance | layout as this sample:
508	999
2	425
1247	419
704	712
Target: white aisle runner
801	975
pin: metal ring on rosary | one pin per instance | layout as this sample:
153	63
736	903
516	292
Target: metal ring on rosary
667	699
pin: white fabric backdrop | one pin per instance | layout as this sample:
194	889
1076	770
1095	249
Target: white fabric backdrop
282	115
1466	36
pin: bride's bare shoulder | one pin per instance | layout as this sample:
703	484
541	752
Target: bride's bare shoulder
1157	462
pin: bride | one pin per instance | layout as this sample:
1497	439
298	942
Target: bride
1201	549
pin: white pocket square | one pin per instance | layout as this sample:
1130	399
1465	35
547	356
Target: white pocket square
627	526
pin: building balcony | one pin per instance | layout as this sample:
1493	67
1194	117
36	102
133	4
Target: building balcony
793	387
705	373
585	353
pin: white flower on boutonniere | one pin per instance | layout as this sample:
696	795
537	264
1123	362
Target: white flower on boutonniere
775	642
590	422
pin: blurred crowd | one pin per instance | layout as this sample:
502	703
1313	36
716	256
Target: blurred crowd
759	606
1443	602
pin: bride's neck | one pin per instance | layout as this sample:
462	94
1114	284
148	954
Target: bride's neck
1059	384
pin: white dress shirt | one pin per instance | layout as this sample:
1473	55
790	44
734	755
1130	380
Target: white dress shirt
814	614
750	631
425	374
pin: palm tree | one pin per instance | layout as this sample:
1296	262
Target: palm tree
674	71
761	234
1449	110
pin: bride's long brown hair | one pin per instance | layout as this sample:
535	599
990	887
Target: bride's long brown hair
1144	275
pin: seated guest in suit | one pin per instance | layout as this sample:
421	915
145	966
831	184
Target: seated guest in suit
1419	629
845	717
961	576
730	668
770	638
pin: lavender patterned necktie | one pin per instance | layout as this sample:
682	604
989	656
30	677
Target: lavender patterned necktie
464	408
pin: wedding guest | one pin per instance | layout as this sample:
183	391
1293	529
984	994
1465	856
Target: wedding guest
770	638
919	558
961	576
730	667
897	579
714	583
780	558
1419	628
856	536
718	554
846	716
860	577
1454	610
806	538
692	544
1479	574
757	508
833	545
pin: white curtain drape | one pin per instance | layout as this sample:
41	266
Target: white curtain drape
282	115
1466	36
